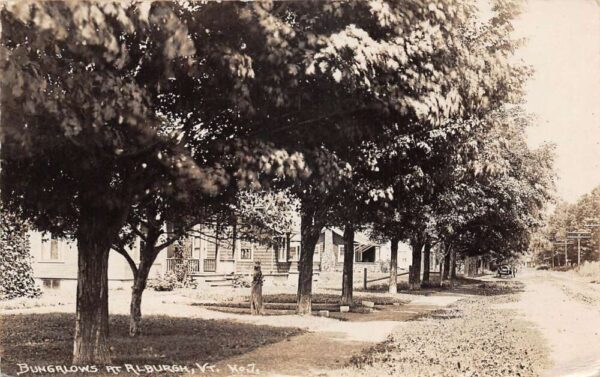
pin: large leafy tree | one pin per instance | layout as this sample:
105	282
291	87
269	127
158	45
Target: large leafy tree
100	110
508	200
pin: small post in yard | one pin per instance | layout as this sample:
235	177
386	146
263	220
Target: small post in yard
256	299
365	279
578	251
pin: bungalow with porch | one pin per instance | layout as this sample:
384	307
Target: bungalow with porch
55	260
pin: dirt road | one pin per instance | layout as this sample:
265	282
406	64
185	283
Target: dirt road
567	311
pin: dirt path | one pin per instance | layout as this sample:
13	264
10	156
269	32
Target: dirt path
568	314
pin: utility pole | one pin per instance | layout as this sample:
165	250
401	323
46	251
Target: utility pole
564	243
579	235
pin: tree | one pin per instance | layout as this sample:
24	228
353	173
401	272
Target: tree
79	133
147	223
233	215
579	216
509	201
100	110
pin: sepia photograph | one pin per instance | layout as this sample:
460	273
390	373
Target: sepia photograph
291	188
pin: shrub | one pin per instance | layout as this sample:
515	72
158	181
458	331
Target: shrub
240	281
15	259
165	282
168	282
384	266
589	269
189	282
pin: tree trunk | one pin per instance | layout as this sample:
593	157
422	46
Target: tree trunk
393	285
309	236
139	285
441	268
234	238
217	248
148	253
446	272
415	275
452	267
97	226
426	261
348	274
468	266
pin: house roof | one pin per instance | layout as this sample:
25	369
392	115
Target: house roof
359	237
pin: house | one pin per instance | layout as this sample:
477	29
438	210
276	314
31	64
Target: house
55	263
204	254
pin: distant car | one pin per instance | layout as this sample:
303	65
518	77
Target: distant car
543	267
506	270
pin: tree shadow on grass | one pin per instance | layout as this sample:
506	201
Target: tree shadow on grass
47	339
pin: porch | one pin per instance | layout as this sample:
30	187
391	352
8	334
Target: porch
194	265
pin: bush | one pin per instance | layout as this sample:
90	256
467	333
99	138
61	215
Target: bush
166	282
189	282
589	269
169	282
15	259
384	266
240	281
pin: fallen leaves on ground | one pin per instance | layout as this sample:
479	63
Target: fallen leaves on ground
472	338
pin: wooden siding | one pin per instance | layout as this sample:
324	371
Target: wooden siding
260	253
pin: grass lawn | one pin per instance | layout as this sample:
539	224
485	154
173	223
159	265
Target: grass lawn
285	304
334	299
47	339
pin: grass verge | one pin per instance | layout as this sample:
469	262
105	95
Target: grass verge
47	339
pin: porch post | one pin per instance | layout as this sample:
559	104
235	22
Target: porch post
234	244
217	248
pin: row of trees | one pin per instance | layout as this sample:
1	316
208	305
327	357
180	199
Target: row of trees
402	118
552	243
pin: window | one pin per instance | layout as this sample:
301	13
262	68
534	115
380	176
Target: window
196	242
53	249
341	252
294	253
280	248
50	250
318	248
51	283
246	253
358	256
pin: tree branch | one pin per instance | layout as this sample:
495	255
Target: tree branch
139	233
167	243
121	250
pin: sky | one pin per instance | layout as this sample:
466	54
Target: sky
563	47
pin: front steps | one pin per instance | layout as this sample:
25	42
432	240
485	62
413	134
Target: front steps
213	279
